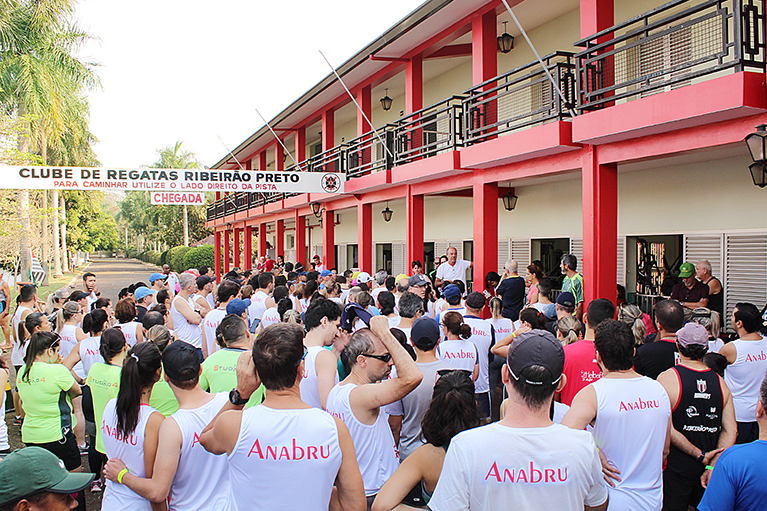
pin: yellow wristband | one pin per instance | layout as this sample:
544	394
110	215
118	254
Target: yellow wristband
121	474
514	335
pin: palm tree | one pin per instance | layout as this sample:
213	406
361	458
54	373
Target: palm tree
174	158
39	76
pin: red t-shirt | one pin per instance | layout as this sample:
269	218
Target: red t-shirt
580	368
268	265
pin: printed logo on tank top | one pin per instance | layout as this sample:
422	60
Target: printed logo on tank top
195	440
292	452
640	404
527	475
110	431
760	357
478	332
702	394
91	352
459	354
589	376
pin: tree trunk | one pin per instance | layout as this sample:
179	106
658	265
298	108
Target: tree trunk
64	254
24	260
56	235
186	227
44	259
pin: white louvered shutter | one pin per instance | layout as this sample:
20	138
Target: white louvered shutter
457	245
705	246
440	249
504	251
399	258
317	250
341	264
621	266
745	271
520	252
576	248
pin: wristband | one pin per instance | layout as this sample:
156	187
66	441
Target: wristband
709	467
513	335
121	474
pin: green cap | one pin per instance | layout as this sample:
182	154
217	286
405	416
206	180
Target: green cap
686	270
32	470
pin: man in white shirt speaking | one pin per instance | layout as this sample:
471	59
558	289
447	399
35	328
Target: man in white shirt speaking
454	269
524	462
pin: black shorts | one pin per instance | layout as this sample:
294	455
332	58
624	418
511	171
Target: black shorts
747	432
483	404
87	404
65	449
680	493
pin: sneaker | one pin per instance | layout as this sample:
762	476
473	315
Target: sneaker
83	449
18	421
96	486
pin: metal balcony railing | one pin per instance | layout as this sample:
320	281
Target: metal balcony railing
519	98
669	47
366	154
430	131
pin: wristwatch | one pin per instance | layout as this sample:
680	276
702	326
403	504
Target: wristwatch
236	399
700	458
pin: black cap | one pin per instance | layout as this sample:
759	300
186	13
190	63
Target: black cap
566	299
475	300
536	348
425	327
181	361
203	280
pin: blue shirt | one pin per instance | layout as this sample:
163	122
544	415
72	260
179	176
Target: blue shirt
739	481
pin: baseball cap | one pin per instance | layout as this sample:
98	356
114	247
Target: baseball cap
418	280
325	273
78	295
61	294
237	306
686	270
364	277
202	281
316	256
692	334
34	469
143	292
157	276
400	277
536	348
425	327
475	300
180	361
451	292
566	299
380	277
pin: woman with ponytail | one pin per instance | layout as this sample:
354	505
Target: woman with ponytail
67	318
163	399
457	351
452	409
46	387
103	381
88	350
632	315
131	427
125	313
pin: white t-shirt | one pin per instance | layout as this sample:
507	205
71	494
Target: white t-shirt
173	284
458	353
271	316
483	337
209	324
455	272
525	469
257	305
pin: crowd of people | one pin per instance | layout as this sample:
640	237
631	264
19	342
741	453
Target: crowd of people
285	387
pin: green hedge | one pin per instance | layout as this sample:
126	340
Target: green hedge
175	258
164	257
199	256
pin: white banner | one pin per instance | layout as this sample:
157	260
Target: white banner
169	180
178	198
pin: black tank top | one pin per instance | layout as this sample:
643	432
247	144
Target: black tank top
698	416
716	301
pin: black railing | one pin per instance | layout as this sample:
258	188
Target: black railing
669	47
430	131
366	154
519	98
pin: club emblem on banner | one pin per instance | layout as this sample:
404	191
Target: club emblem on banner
331	183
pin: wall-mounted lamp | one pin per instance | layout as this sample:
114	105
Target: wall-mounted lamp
386	101
757	146
505	40
317	209
387	213
510	201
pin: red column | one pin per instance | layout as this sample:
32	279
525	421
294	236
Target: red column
414	236
600	227
226	251
328	130
236	243
262	240
279	239
414	84
300	142
279	157
217	253
262	160
485	206
328	239
484	59
248	247
301	239
365	237
596	15
364	100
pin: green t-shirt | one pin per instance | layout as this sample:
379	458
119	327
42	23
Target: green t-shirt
163	399
574	284
219	374
104	382
46	403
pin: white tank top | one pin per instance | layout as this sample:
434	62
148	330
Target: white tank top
89	353
189	491
257	305
744	377
377	454
4	445
502	327
186	331
270	317
68	341
310	393
284	459
482	337
209	324
458	354
211	300
630	428
296	302
130	451
129	331
19	349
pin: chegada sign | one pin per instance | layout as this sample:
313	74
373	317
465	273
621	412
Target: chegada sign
177	198
169	180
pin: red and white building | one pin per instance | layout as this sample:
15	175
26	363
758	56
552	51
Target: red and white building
642	149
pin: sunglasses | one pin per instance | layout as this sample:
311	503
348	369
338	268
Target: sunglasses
306	350
383	358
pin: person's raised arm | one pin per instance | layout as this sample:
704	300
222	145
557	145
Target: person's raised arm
388	391
157	487
501	348
186	310
151	438
73	358
349	485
